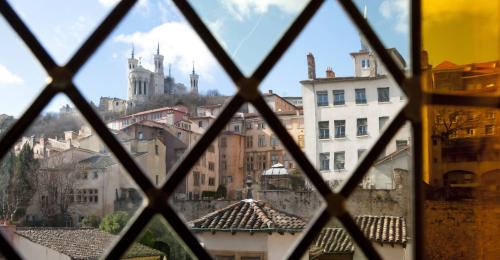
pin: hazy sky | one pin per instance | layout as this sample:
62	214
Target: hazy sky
247	29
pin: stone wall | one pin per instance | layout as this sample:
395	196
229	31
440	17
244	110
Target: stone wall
306	203
461	230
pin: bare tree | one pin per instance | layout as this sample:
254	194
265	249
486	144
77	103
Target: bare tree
56	183
449	121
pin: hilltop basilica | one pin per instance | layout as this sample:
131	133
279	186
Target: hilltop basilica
144	84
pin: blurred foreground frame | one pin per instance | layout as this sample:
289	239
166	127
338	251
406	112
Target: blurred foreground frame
61	82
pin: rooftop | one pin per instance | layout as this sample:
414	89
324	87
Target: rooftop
81	243
248	216
380	229
341	79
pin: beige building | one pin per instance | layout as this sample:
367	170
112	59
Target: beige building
264	149
231	163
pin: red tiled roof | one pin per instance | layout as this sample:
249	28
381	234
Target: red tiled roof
248	216
383	229
447	65
380	229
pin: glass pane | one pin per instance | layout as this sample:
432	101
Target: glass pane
259	201
158	93
462	180
248	30
63	194
21	77
157	241
63	33
390	19
461	59
343	109
381	204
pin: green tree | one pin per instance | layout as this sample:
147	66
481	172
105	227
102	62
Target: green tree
17	183
114	222
221	191
90	221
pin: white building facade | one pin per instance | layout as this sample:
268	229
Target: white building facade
344	116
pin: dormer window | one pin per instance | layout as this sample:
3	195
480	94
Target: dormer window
365	64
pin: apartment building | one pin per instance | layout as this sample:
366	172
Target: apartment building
343	116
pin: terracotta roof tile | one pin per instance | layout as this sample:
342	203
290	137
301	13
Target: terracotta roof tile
248	216
81	243
381	229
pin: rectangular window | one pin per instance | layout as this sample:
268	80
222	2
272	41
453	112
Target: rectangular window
339	160
262	141
202	180
249	164
211	181
261	125
322	98
274	140
362	126
338	97
211	166
274	159
324	161
196	179
383	94
248	125
237	128
360	94
249	141
156	149
490	115
223	142
489	130
339	128
471	131
324	129
401	144
365	63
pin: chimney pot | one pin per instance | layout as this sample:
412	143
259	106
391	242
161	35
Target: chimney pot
329	73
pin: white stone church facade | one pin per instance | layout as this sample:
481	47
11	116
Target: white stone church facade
144	84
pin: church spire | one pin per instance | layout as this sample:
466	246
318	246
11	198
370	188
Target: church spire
169	75
194	81
158	49
132	50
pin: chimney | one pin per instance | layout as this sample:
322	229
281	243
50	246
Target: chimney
311	66
329	73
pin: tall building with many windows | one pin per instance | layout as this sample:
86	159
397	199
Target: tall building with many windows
343	116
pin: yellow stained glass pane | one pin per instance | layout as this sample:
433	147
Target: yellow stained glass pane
462	177
461	44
